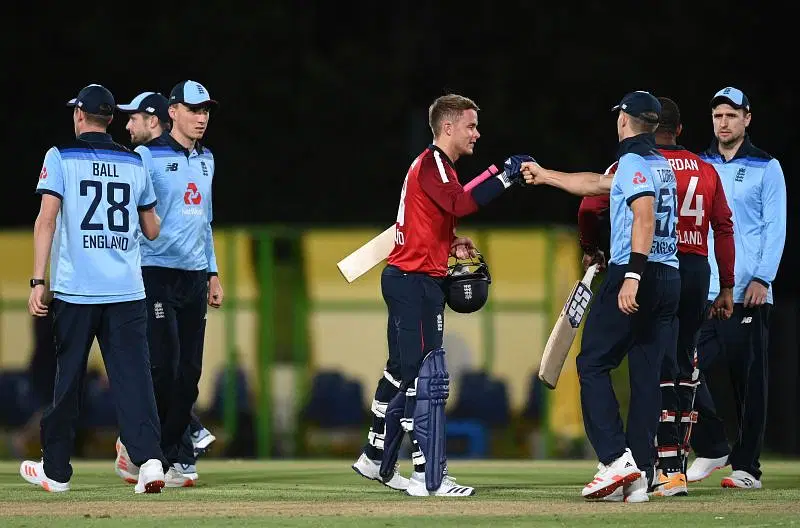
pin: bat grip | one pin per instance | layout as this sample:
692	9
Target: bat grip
589	275
480	178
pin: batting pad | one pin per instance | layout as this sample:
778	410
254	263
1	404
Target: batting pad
433	389
393	434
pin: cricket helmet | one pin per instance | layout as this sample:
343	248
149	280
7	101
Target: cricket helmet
466	287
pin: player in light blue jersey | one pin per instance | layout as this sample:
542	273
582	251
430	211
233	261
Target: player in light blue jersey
756	192
96	198
148	119
180	269
634	311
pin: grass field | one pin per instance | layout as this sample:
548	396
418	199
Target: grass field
328	493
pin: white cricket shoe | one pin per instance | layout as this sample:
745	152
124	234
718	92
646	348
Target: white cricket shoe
741	479
703	467
371	469
33	472
619	473
181	476
151	477
636	491
448	488
123	466
201	440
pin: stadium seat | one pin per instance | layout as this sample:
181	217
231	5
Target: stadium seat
17	398
335	401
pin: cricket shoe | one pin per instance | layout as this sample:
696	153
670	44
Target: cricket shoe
201	440
448	488
371	469
636	491
33	472
703	467
608	478
741	479
151	477
181	476
672	484
123	466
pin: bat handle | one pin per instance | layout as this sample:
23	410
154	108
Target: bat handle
589	275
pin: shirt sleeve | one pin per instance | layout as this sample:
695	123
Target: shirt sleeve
445	191
51	177
773	214
634	178
211	254
722	225
147	198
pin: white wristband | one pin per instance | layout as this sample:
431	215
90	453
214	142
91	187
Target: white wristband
632	275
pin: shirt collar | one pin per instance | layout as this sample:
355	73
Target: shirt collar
96	137
177	147
441	152
640	144
743	150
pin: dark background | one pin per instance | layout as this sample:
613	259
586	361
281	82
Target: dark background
324	104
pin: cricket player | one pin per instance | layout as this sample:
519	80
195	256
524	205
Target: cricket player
148	119
701	202
412	393
756	190
96	197
634	309
180	270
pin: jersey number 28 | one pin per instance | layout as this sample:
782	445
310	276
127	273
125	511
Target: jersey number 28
114	205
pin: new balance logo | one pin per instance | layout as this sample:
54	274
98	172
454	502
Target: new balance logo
747	320
158	310
171	167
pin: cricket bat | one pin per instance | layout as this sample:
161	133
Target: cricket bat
378	249
563	333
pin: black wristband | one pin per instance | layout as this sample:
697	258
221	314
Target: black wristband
636	264
761	282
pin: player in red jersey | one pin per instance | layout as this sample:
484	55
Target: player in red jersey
701	201
415	385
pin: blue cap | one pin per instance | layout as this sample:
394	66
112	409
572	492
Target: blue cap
148	103
732	96
94	99
638	103
192	93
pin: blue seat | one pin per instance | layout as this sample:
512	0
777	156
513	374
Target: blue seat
335	401
534	404
18	401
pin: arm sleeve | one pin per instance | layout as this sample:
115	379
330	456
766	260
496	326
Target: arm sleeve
211	255
51	178
634	178
444	190
773	214
589	220
147	198
722	224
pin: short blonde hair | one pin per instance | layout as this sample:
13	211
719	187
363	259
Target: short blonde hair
448	108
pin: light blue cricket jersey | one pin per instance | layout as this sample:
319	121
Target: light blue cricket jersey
756	192
643	171
102	186
182	183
